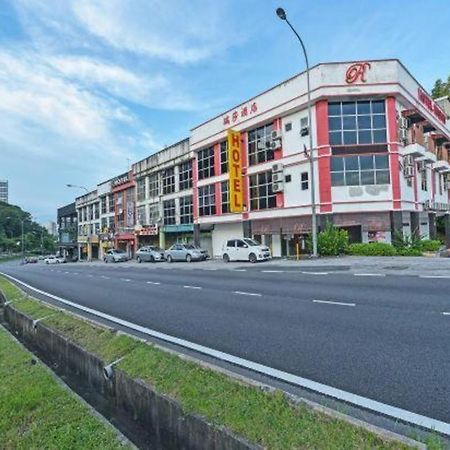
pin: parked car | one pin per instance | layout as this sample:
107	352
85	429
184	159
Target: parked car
203	251
31	260
115	256
245	250
184	252
53	259
150	253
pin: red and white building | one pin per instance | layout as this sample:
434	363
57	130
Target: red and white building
381	149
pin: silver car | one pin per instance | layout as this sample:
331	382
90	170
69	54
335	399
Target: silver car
184	252
115	256
150	253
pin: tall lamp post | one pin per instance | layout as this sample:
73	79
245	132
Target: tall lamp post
282	15
89	216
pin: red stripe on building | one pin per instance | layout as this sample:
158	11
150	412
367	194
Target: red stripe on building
245	180
324	160
194	188
391	113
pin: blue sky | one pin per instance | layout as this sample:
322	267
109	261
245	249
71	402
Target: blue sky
87	84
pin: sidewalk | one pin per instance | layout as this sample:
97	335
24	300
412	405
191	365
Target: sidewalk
393	265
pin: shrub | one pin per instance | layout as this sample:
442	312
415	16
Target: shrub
409	252
332	241
371	249
429	245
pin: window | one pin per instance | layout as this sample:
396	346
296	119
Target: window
153	185
304	181
359	170
140	189
103	204
168	180
258	151
357	122
423	178
288	178
185	170
169	212
153	213
104	224
186	210
206	200
288	126
304	128
261	194
205	161
111	203
224	188
141	216
96	208
224	157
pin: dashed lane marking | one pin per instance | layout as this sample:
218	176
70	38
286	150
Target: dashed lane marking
314	273
329	302
192	287
153	282
254	294
369	274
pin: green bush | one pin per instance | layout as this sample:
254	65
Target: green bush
332	241
409	252
371	249
429	245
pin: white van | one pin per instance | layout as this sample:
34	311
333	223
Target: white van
244	250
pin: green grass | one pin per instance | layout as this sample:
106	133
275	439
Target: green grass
36	412
263	417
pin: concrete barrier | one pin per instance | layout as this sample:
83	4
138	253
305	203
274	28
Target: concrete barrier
162	418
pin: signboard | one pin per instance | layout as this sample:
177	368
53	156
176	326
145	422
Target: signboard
237	114
431	105
235	170
357	71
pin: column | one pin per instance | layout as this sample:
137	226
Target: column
447	230
432	225
391	117
197	234
415	224
247	228
396	224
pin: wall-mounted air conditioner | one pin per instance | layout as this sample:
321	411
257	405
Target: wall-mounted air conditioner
277	187
277	167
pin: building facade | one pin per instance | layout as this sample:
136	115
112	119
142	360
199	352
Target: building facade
164	197
88	211
107	217
68	232
4	191
380	149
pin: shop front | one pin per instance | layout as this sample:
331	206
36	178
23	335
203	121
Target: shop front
126	242
106	242
147	235
183	233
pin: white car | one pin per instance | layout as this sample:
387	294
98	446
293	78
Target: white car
52	259
245	250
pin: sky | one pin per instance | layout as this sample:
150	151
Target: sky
86	86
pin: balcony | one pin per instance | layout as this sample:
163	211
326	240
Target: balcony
415	150
427	158
442	166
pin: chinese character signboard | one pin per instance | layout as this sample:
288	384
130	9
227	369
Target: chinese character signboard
240	113
235	169
431	105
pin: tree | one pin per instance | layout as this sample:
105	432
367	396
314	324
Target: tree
441	88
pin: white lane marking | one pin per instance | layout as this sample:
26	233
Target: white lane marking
315	273
434	276
125	279
254	294
369	274
105	277
239	270
364	402
272	271
446	313
153	282
74	273
328	302
192	287
66	272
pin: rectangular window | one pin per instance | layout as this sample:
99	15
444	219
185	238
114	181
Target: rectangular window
186	215
423	179
103	204
224	157
142	220
225	190
168	180
205	162
169	212
111	203
153	185
104	228
359	170
153	213
259	140
261	194
96	207
206	200
361	122
185	171
305	181
140	189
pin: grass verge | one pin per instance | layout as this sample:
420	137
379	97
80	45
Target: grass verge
267	418
37	412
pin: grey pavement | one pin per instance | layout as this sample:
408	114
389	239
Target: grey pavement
382	337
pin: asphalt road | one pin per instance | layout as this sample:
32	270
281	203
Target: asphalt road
386	338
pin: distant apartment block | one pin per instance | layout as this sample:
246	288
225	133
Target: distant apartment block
4	191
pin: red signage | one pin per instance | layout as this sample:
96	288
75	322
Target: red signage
237	114
357	71
431	105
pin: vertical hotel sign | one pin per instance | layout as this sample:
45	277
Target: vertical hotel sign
235	171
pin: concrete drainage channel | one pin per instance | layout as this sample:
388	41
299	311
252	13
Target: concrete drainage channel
147	418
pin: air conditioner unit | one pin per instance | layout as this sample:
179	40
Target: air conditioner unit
408	171
403	122
408	160
277	187
304	131
275	135
278	167
403	135
274	145
277	177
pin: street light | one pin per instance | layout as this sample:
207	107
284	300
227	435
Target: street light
89	220
281	13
